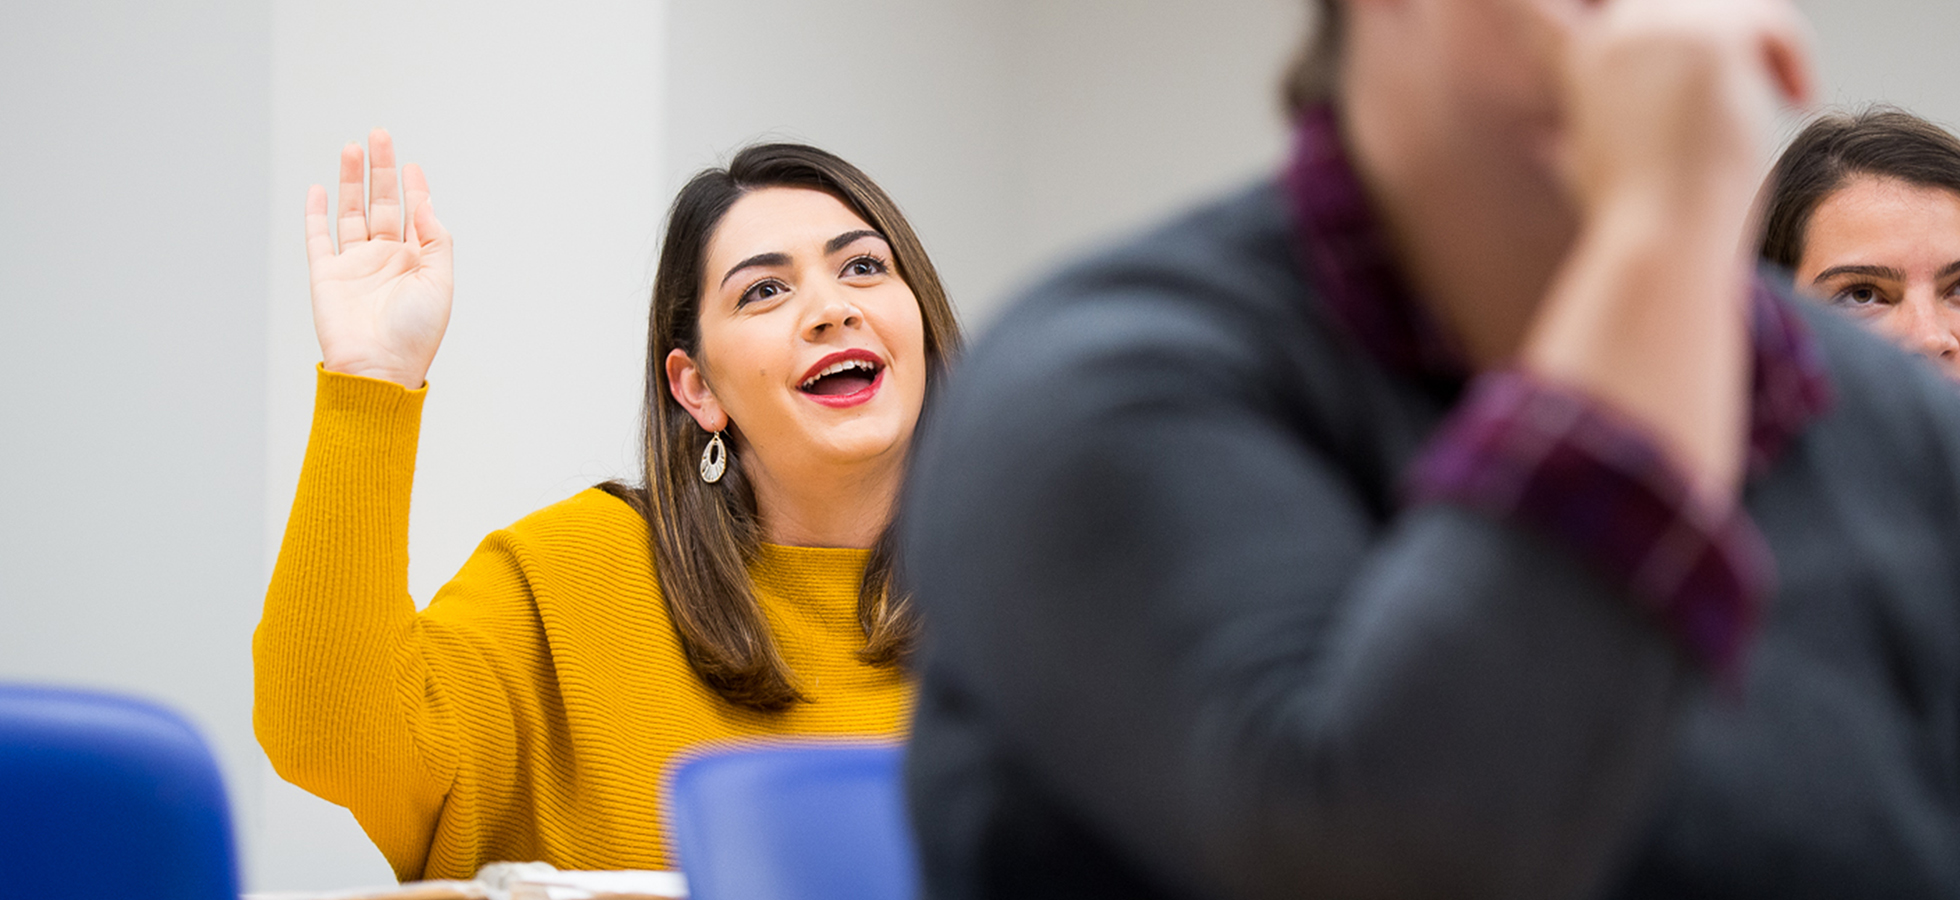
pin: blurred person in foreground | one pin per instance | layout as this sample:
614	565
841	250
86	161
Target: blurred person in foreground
739	592
1864	209
1454	515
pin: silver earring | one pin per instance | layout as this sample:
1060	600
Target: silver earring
714	460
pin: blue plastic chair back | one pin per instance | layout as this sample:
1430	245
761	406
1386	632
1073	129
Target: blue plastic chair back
823	822
107	797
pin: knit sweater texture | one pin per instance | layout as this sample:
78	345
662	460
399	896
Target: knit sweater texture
536	708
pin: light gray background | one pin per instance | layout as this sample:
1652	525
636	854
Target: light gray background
157	351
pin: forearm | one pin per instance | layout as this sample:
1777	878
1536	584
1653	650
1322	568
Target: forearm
330	657
1666	108
1490	721
1649	316
1479	716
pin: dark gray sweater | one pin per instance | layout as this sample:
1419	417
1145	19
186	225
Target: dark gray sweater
1183	641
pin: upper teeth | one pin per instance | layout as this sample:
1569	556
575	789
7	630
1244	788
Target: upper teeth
843	365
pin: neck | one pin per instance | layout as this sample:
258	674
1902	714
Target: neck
825	505
1478	222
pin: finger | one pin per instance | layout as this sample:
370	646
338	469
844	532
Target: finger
1787	50
415	190
319	244
353	218
384	197
428	232
415	194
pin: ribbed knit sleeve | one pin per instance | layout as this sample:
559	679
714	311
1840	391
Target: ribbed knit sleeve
338	700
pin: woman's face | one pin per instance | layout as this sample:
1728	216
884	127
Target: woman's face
1888	252
811	344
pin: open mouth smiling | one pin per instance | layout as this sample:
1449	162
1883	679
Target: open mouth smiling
847	378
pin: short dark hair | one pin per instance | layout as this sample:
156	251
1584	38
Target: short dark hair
1310	77
1883	140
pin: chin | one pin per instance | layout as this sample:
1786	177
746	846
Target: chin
853	444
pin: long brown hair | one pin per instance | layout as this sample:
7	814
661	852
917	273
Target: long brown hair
702	536
1884	141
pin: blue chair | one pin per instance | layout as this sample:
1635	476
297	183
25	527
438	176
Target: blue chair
808	822
107	797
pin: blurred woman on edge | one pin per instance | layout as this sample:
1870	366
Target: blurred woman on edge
1864	210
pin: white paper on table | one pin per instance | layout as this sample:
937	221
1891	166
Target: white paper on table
591	885
515	881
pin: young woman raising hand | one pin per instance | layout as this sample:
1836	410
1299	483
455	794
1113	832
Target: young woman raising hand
741	591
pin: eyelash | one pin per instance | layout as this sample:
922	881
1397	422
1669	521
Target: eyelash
748	294
875	260
1843	295
877	263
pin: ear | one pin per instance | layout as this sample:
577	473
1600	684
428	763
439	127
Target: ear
689	385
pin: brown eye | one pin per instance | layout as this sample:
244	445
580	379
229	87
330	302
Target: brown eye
1858	295
761	291
864	267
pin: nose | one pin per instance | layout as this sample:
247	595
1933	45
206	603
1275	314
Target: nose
1931	329
831	308
1944	348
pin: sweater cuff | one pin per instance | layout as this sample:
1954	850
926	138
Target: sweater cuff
367	415
362	394
1560	464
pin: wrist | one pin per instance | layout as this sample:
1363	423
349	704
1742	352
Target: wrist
412	379
1697	209
1649	316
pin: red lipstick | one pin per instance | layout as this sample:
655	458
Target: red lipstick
844	379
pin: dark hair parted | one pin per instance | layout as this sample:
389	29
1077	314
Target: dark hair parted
1882	141
702	535
1310	75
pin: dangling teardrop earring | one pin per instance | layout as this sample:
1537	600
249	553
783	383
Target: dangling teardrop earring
714	460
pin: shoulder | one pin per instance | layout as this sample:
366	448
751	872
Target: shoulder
591	514
1209	303
591	538
1888	403
1889	444
1217	278
579	566
1204	321
1131	398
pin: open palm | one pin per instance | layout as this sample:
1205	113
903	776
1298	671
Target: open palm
381	301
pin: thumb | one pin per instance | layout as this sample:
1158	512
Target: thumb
426	230
1787	53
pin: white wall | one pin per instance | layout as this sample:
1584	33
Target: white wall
1008	130
1125	112
157	349
910	92
1894	51
132	353
539	127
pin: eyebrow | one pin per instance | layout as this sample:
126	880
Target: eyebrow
782	259
1886	272
845	240
760	259
1952	268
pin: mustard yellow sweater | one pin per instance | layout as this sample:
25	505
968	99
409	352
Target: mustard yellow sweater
534	709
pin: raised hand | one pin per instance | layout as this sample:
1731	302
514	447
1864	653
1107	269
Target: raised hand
381	302
1674	99
1668	105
